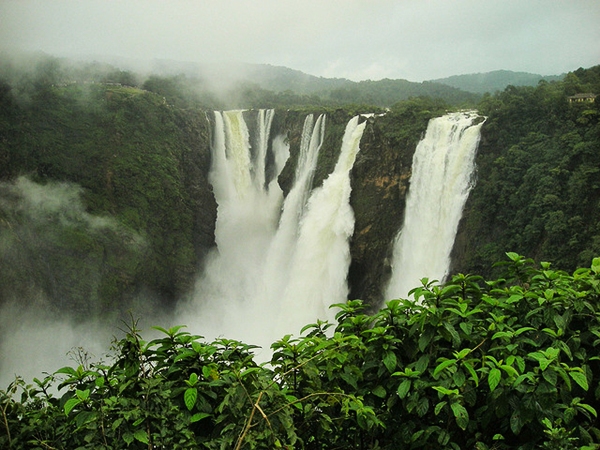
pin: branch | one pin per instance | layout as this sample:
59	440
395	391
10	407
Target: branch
248	423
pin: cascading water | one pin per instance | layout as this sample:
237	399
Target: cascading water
278	264
442	167
319	266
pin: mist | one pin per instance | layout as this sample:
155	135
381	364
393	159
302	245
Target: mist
51	291
355	39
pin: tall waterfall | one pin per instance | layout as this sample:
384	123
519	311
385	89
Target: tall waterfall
442	169
279	263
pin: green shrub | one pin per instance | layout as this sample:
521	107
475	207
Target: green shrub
503	364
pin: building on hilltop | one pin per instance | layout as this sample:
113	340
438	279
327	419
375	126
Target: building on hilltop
585	97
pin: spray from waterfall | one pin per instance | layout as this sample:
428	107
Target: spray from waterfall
279	263
441	180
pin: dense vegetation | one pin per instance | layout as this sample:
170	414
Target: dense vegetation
538	178
510	363
127	154
496	80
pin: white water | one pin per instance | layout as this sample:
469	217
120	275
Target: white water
278	264
442	167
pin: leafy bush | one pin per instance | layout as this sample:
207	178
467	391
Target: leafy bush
507	363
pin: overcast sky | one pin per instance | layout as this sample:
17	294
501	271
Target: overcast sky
356	39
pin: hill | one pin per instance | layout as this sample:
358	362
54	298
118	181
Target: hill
497	80
234	80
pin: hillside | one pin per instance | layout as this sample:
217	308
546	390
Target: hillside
234	81
538	178
497	80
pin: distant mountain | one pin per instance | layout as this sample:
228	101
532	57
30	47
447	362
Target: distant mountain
279	79
497	80
382	93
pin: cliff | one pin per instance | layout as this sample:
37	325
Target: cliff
135	214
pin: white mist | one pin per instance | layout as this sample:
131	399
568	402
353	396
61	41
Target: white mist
279	263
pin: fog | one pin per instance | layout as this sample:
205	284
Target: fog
49	309
355	39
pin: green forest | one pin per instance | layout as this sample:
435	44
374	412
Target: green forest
106	207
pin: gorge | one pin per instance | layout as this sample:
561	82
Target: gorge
113	199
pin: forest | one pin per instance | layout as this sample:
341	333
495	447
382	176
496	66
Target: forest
106	207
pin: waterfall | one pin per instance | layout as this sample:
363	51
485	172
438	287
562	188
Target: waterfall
319	266
279	263
441	179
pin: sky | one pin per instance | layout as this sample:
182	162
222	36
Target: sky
356	39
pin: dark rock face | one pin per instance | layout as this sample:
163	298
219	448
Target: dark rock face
380	181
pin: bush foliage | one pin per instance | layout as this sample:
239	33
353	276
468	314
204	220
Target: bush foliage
507	363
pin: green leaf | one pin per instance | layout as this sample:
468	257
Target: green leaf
349	378
463	353
461	415
422	364
523	330
453	333
161	329
513	256
441	366
544	363
550	376
379	391
515	422
520	363
588	408
128	438
425	338
70	404
467	327
580	379
404	388
249	371
82	395
190	395
502	334
596	265
459	378
494	378
193	379
117	423
389	360
541	359
67	371
510	370
422	406
445	391
471	370
141	436
85	417
198	416
439	407
137	422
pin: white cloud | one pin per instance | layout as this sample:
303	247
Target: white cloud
413	39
